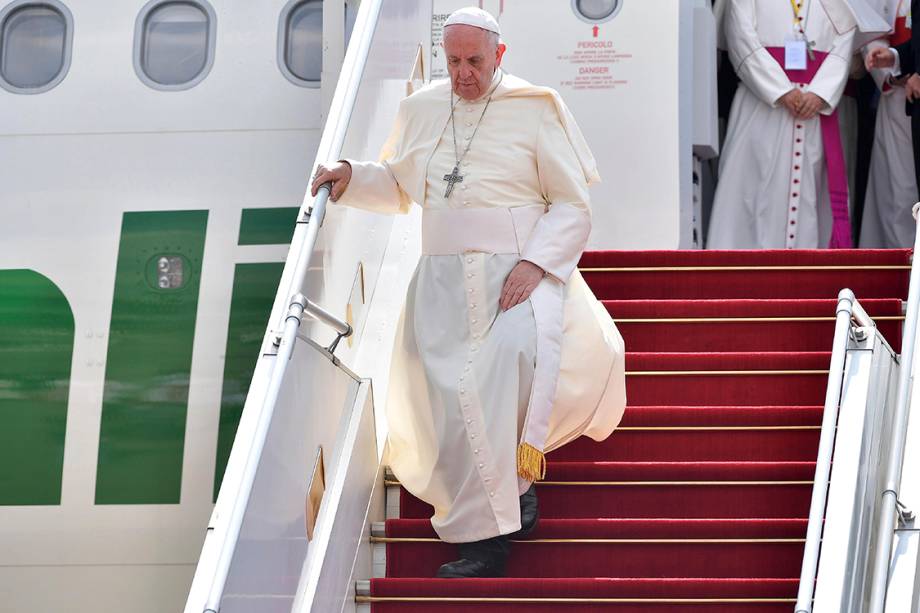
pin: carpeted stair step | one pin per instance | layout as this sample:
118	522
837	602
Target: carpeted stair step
726	378
716	490
741	325
620	548
698	444
704	434
781	415
736	379
771	274
633	528
583	595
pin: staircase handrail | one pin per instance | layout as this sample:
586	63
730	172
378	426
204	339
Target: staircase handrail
888	509
849	313
310	220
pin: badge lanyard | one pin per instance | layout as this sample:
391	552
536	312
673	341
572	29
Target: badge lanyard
799	48
799	26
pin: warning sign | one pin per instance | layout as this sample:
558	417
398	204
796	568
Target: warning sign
438	63
594	64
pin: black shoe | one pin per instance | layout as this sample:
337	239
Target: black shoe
530	513
468	569
479	559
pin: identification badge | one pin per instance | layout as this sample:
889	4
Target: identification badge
796	54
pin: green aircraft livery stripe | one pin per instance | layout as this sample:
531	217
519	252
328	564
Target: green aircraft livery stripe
273	226
254	287
149	357
36	351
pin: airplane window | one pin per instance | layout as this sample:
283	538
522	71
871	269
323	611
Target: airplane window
34	46
174	44
596	10
303	48
300	35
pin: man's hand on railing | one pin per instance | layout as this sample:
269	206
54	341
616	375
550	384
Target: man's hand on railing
339	174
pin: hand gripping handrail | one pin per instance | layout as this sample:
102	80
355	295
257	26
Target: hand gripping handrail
888	509
849	312
304	242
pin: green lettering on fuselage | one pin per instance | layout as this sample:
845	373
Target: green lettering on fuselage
36	351
272	226
254	288
149	357
145	402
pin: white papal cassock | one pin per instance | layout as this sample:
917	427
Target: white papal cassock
773	187
476	393
892	188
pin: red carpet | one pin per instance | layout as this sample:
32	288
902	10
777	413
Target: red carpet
698	502
686	325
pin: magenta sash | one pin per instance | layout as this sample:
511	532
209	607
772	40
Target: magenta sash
841	236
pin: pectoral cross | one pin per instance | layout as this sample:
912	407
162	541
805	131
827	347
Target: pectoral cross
810	47
452	179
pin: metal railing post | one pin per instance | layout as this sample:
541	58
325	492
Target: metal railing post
888	509
846	306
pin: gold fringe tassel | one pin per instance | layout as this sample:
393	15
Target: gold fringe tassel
531	463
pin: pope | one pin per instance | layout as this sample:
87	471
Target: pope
502	353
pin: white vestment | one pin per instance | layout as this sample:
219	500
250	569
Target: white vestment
773	188
470	382
892	190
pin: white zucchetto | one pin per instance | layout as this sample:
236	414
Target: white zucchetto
472	16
